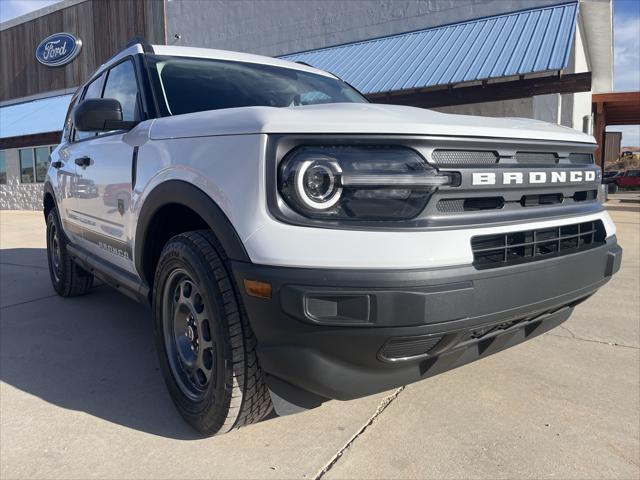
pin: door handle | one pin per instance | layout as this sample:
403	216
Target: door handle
57	164
83	161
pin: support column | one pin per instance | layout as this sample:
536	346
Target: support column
600	133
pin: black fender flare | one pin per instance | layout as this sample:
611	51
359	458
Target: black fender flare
48	189
183	193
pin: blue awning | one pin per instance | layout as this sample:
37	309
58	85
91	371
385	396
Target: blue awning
518	43
37	116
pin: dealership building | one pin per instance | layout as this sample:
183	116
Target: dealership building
539	59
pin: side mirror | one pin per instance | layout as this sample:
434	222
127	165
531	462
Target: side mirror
100	115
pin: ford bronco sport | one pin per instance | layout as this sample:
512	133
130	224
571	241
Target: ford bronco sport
296	243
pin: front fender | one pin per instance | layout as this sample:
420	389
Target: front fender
185	194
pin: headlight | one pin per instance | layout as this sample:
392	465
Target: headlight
317	183
357	182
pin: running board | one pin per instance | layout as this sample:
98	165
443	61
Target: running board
122	281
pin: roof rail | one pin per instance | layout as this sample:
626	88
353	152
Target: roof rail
146	47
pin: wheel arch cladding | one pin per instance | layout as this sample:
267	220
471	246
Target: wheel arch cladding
48	199
196	210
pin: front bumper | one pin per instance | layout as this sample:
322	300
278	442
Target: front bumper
343	334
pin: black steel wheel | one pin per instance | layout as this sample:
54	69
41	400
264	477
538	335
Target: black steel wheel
190	345
55	254
67	278
205	344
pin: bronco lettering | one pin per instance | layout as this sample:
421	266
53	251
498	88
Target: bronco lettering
538	178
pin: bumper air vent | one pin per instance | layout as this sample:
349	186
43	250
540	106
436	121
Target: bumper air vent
581	158
399	348
464	157
537	158
491	251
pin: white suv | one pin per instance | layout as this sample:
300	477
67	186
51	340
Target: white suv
296	243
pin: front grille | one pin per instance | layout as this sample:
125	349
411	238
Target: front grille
581	158
537	158
491	251
464	157
544	199
487	158
459	205
585	196
397	348
479	204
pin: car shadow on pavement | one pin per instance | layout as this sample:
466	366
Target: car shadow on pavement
94	354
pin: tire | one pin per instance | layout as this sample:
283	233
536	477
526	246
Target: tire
67	278
205	344
613	188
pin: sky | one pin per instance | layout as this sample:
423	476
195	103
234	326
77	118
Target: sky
14	8
626	59
626	32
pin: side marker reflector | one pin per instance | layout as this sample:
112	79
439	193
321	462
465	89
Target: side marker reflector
257	289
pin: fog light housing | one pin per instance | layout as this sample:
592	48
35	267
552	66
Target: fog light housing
337	309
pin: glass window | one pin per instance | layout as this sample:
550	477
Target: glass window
3	169
68	123
42	163
93	91
94	88
193	85
121	84
27	174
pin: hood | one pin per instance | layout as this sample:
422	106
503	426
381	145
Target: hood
356	118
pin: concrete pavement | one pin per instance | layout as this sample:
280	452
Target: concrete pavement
628	200
81	396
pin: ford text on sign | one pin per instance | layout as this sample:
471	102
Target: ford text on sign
58	49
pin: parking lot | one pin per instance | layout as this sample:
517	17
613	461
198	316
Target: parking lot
81	395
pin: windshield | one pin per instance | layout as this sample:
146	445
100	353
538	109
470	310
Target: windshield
185	85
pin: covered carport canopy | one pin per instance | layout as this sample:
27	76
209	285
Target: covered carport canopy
621	108
503	57
29	124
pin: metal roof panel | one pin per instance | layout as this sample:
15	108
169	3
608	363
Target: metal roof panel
517	43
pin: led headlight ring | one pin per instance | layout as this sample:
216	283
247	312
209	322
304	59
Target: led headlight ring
321	177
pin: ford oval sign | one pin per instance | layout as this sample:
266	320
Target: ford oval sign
58	49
